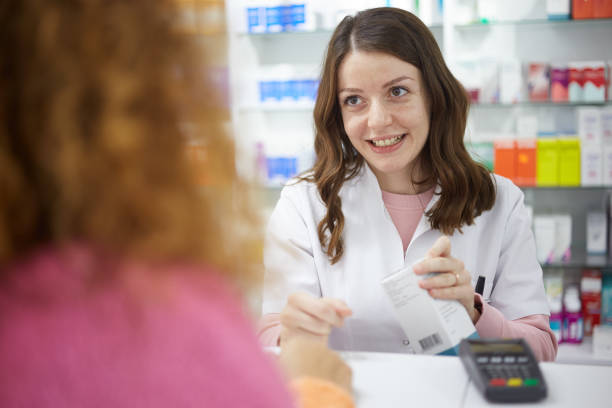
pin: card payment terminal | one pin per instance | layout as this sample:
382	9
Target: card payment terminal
503	370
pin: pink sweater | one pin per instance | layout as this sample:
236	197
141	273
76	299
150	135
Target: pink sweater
406	211
135	341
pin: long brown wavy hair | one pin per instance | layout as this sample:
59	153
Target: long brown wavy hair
467	188
96	97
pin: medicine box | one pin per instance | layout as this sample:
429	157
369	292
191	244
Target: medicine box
596	232
538	82
590	295
504	158
482	152
433	326
547	162
591	165
569	161
526	152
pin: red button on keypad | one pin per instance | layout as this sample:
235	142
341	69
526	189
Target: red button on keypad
497	382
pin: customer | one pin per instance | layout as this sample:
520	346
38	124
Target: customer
116	272
393	186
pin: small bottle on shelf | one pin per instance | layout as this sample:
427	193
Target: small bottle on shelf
572	331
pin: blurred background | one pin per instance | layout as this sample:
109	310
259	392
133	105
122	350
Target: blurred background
538	74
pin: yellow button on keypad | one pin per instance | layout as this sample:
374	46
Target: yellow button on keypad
514	382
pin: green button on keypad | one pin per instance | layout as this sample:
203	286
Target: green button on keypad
530	382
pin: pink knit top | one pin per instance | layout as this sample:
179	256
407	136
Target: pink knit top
163	336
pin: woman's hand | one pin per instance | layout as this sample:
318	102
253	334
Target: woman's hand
310	317
451	280
306	358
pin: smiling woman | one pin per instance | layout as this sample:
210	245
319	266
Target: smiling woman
393	186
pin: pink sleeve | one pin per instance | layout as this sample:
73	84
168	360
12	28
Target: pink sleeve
534	329
268	330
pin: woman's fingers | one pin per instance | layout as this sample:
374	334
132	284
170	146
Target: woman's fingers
296	319
314	315
452	292
341	308
442	247
441	280
449	280
438	264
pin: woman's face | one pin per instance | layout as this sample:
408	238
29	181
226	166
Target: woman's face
386	115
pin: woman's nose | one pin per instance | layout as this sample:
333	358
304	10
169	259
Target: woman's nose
378	115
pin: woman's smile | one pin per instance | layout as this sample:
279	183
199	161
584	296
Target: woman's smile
387	144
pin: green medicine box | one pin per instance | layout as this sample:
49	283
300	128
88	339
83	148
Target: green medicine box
482	152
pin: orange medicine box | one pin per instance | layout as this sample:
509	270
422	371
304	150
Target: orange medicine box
602	8
504	163
582	9
526	150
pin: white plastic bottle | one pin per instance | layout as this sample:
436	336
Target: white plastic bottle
572	315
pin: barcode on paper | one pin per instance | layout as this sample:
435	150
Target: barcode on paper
430	341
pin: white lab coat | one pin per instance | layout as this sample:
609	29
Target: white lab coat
499	246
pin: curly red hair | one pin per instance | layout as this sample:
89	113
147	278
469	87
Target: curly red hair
94	102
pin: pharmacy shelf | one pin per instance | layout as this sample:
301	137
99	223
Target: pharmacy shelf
539	104
560	23
308	106
579	262
286	33
279	107
580	259
319	31
565	188
580	354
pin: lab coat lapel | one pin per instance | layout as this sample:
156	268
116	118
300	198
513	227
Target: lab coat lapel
382	224
424	224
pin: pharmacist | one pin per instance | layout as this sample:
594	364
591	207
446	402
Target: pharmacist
393	185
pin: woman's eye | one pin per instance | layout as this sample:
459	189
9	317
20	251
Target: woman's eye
398	91
352	100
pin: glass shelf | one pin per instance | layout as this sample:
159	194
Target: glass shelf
475	25
485	24
584	261
565	188
539	104
291	107
581	260
280	107
319	31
